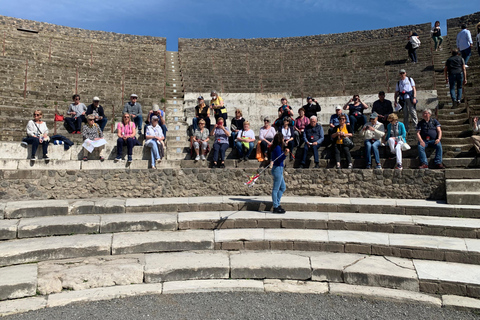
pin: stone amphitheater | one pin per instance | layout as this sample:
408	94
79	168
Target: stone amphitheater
73	231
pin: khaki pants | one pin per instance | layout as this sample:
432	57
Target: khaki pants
476	143
101	149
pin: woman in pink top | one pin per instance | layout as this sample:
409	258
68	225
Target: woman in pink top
126	136
300	123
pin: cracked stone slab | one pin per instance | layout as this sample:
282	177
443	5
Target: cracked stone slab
276	265
307	235
31	209
427	242
8	229
158	241
137	222
93	272
293	286
377	271
473	245
447	271
447	221
52	226
199	216
97	294
384	294
329	267
370	218
62	247
228	235
363	237
225	285
18	281
459	302
22	305
177	266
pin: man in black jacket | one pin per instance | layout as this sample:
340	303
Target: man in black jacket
313	137
312	107
97	110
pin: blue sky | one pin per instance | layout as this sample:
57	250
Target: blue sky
175	19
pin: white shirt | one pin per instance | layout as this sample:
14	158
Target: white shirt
246	134
36	129
405	86
464	39
286	133
154	131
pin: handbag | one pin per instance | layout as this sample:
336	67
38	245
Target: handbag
59	117
406	147
347	142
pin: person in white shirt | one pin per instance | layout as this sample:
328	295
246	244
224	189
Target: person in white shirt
465	43
37	133
155	137
406	95
245	140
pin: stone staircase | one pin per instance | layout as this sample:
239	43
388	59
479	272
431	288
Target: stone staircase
56	252
463	187
177	139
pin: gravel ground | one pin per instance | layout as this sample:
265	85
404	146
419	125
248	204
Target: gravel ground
245	306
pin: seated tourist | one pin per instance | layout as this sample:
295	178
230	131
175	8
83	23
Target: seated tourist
339	134
37	134
313	137
355	107
156	111
475	137
92	138
334	122
218	107
267	132
287	132
155	138
245	141
372	134
202	112
300	123
236	126
97	110
77	112
126	131
284	111
134	109
396	137
200	139
429	134
312	107
383	108
220	145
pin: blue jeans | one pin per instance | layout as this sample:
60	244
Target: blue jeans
102	123
357	122
278	185
75	124
154	154
466	54
219	147
438	152
35	142
138	120
412	53
130	142
458	80
368	151
240	147
315	153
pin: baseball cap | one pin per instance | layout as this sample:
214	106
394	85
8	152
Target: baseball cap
96	99
338	108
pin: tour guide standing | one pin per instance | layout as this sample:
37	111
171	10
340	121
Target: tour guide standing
406	95
279	154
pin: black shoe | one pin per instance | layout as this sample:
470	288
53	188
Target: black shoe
278	210
316	166
301	166
222	165
245	158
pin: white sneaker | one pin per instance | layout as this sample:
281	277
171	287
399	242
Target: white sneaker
466	66
202	157
24	144
197	158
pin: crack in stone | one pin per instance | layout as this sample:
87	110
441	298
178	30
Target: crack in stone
397	264
355	262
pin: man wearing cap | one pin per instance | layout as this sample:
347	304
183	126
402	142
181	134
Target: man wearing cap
202	112
313	137
77	112
135	110
97	110
372	133
334	118
382	107
312	107
156	111
406	95
465	43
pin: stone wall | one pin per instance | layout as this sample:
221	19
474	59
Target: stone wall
295	42
470	19
65	184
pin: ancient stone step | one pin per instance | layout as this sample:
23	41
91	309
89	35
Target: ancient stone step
18	281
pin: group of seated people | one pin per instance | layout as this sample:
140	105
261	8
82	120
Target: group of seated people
382	129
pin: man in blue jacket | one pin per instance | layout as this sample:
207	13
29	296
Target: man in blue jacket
313	137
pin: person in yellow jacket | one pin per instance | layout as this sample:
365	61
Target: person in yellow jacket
218	106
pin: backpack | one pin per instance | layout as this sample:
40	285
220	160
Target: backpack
415	42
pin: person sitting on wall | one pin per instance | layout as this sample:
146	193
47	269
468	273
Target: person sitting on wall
300	123
220	145
339	134
357	118
396	137
97	110
77	112
288	135
156	111
372	133
429	133
382	107
155	138
202	112
267	132
218	107
134	108
92	138
200	139
235	127
245	141
284	111
126	136
37	134
313	137
311	108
